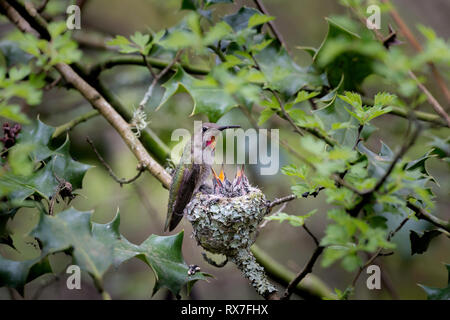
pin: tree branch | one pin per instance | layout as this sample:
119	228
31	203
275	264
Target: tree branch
431	99
121	126
66	127
316	241
97	68
302	274
279	201
99	103
272	26
420	115
425	215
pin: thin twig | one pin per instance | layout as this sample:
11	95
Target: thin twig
425	215
314	288
42	6
121	182
431	99
52	84
297	129
272	26
316	241
66	127
400	154
112	62
149	66
156	78
278	201
302	274
287	117
264	223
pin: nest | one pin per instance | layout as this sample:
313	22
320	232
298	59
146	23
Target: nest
228	225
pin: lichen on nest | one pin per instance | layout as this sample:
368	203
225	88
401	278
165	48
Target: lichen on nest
229	226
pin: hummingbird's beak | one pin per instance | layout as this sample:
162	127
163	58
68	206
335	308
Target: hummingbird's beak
221	128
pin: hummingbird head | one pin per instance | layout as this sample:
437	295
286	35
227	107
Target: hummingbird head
210	131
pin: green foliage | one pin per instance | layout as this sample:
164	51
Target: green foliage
60	48
342	243
22	83
15	274
208	99
39	170
345	54
22	77
139	43
247	67
71	229
295	221
161	254
365	113
34	175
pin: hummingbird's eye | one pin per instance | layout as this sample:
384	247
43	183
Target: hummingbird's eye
204	129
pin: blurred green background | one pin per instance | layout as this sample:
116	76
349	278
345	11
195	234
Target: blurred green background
143	203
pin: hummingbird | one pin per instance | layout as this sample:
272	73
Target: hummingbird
192	171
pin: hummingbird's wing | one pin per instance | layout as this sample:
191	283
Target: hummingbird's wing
181	191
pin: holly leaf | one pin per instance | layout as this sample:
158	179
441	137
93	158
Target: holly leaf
258	19
240	20
419	164
15	274
210	100
67	168
283	74
441	148
438	293
161	253
332	116
57	164
344	53
71	229
38	134
13	54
